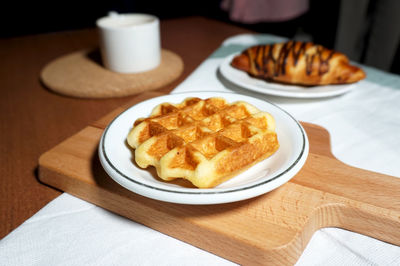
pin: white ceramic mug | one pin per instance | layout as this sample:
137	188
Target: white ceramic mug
129	43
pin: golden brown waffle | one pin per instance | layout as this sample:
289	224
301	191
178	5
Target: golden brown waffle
204	141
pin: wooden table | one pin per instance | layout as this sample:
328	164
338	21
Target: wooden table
33	119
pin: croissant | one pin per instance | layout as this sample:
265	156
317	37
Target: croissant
295	62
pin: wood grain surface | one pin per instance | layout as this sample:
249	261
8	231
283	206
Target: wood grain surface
272	229
33	119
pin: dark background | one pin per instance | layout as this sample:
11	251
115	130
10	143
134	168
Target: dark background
20	18
32	17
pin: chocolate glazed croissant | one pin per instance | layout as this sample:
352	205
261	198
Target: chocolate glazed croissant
296	62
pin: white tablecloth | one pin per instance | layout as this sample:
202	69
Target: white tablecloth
365	132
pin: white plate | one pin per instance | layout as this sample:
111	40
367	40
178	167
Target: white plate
244	80
116	157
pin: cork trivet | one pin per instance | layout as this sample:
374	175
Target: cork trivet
81	74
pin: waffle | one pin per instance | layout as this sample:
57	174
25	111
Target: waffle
204	141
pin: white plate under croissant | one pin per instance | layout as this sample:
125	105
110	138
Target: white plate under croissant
243	80
292	69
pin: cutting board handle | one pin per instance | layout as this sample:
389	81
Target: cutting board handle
358	200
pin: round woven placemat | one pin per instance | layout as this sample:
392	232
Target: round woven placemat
81	74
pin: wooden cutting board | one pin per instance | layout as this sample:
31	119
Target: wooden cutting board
271	229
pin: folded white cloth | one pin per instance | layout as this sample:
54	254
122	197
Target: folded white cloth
70	231
365	121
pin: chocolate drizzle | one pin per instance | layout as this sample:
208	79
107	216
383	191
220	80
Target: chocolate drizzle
324	63
268	56
259	52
